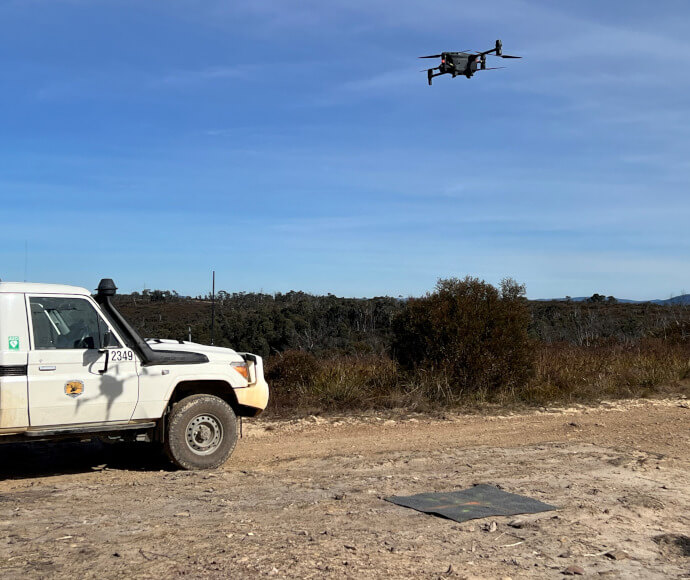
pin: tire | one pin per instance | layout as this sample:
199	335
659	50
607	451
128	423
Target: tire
201	432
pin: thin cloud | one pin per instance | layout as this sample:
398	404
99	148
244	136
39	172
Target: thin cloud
203	75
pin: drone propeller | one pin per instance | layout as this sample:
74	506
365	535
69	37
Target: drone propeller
509	56
493	67
431	56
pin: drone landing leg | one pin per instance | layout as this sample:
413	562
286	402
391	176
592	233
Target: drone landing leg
430	75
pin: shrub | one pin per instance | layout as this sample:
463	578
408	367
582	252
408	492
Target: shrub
469	330
293	367
290	374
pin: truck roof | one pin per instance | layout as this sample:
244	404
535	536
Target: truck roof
33	288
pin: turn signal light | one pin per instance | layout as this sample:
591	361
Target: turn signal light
241	367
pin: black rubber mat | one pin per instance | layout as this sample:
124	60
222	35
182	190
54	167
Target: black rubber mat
480	501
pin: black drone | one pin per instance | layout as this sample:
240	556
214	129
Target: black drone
464	63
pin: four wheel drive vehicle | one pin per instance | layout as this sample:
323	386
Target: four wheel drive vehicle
72	366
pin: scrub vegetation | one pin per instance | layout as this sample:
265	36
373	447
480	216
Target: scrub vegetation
466	343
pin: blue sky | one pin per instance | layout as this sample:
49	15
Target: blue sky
296	145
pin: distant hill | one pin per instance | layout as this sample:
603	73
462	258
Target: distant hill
683	299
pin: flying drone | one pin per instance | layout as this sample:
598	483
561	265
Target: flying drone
465	62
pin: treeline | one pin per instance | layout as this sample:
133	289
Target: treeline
592	322
464	343
269	324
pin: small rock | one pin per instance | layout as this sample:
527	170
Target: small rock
518	523
339	496
574	571
182	515
617	555
491	527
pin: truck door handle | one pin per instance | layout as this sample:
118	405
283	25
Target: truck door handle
47	368
107	358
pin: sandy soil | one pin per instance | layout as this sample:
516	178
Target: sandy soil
304	499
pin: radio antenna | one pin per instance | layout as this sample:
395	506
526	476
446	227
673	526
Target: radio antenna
213	304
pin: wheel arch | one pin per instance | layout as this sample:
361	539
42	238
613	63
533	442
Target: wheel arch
216	387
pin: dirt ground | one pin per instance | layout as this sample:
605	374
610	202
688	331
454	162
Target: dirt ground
303	499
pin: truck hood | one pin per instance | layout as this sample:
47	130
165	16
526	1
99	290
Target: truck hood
215	354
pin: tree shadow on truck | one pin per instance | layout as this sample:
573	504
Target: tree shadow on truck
34	460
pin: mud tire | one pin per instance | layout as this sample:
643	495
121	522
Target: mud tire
201	432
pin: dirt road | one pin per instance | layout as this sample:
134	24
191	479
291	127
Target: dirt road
303	499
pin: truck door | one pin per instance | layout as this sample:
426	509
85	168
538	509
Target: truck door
78	370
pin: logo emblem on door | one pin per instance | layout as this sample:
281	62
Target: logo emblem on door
74	388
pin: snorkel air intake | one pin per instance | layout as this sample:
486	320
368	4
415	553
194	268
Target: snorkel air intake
149	357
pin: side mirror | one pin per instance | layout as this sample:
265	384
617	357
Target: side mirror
108	339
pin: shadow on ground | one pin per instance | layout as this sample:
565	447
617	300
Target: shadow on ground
674	545
31	460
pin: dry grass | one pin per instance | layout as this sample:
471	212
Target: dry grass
568	373
563	373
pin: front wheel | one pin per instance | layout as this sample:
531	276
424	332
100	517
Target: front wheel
201	432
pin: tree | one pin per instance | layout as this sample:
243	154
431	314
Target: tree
469	329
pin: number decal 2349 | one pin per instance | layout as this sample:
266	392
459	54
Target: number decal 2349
121	355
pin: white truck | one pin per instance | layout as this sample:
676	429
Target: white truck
72	366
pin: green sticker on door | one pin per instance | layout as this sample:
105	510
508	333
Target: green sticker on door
13	342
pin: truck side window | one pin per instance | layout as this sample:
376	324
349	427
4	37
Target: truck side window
67	323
